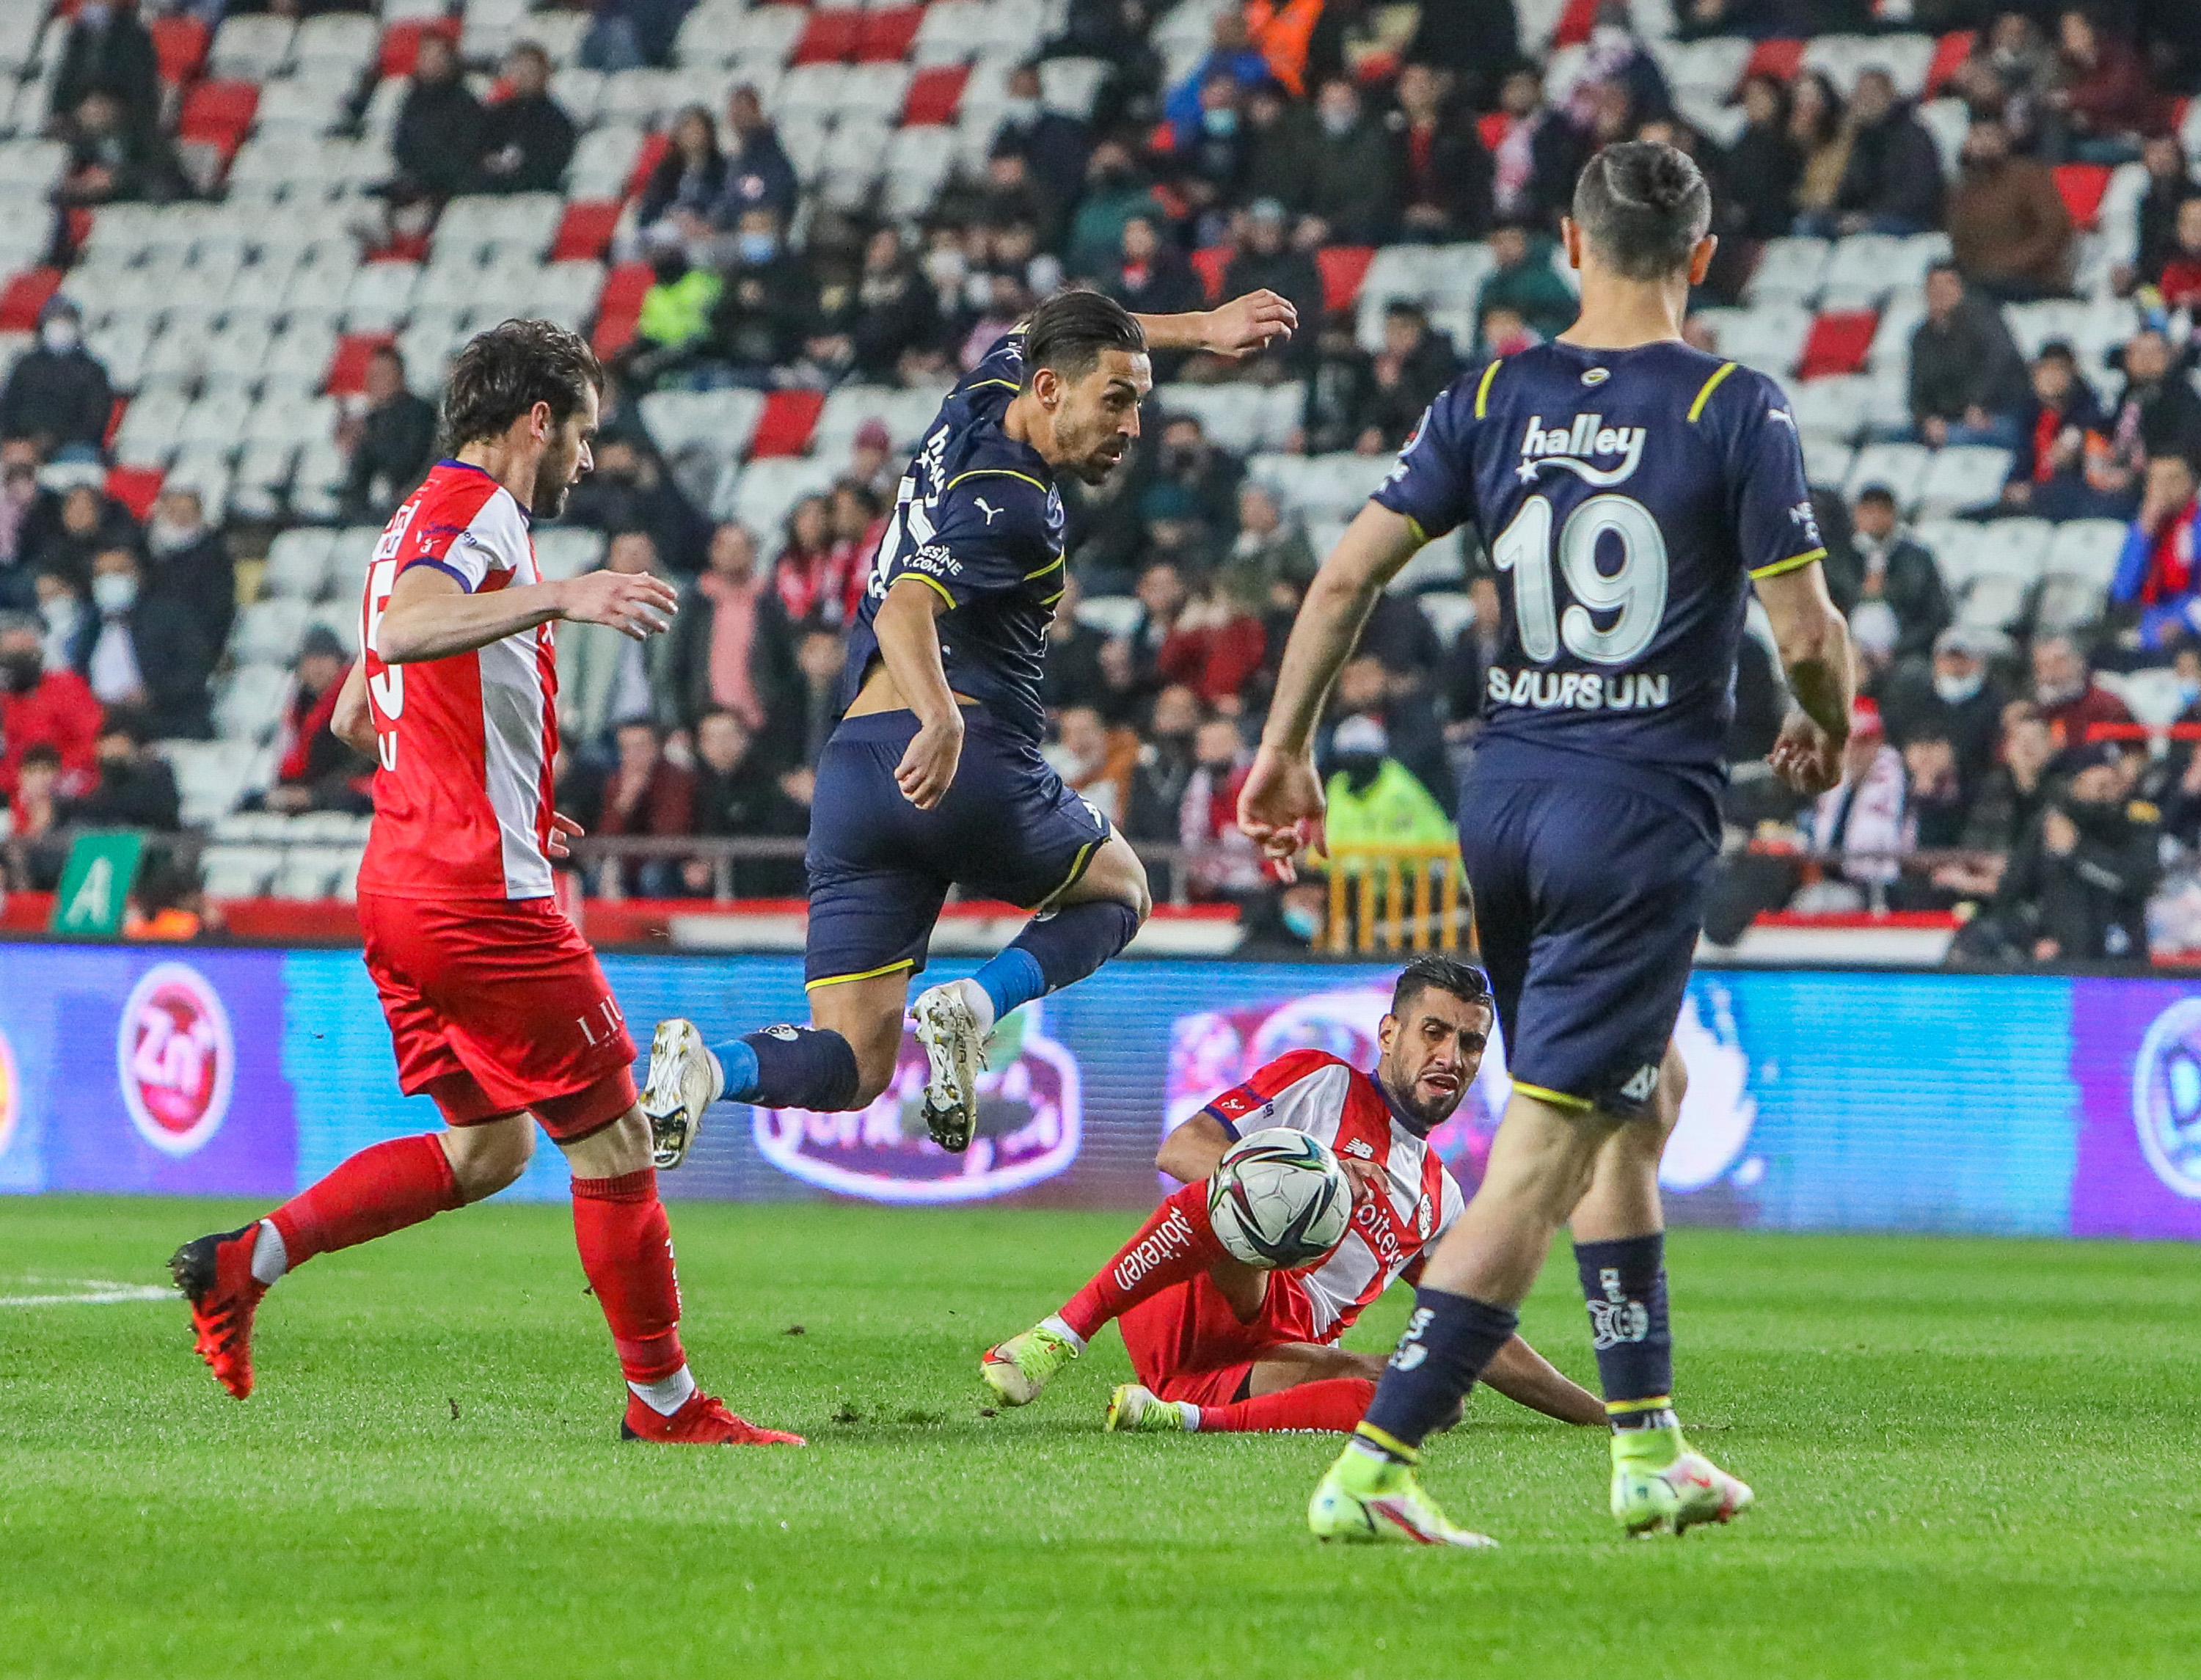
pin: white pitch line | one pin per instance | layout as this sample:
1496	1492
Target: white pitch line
90	1292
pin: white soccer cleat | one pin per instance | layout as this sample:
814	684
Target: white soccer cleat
683	1081
955	1049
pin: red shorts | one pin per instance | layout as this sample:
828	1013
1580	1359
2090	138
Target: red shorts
1186	1343
497	1006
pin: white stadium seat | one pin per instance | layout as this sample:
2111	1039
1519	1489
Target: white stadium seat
1900	467
1963	477
1790	271
2087	549
298	563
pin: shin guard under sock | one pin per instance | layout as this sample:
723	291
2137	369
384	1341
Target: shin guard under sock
789	1067
626	1250
1175	1245
1448	1342
382	1189
1624	1283
1333	1403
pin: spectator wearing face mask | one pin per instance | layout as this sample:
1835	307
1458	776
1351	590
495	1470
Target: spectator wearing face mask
1093	760
1885	569
134	788
768	303
1165	764
2155	572
1231	53
147	656
191	565
1055	144
58	395
2070	700
90	522
2077	886
1373	798
1955	701
37	705
1224	863
69	623
1355	193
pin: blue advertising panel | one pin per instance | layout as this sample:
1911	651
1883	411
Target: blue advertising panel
2017	1104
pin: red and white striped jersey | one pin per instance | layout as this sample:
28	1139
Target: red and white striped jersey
1314	1092
465	743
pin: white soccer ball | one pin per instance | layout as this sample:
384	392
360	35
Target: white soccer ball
1278	1199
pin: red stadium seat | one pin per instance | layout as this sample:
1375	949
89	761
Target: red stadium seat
219	114
1343	269
1779	59
620	305
586	230
135	487
24	296
180	44
831	37
2082	186
934	94
1208	263
76	227
115	410
1574	25
1839	343
1949	52
653	146
347	375
400	42
886	35
1491	126
784	426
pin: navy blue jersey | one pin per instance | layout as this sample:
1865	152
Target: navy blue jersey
1626	498
978	519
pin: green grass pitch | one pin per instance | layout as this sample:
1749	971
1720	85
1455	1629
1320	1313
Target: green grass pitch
1971	1458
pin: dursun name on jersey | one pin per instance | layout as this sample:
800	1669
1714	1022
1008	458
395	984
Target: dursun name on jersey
1582	690
1575	446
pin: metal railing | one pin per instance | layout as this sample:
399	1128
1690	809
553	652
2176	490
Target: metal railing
1397	898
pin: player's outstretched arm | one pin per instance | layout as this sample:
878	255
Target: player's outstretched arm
1282	802
1193	1150
430	616
1240	327
1815	651
352	723
909	647
1525	1377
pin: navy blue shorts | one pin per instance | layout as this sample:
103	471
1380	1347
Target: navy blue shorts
1589	899
880	868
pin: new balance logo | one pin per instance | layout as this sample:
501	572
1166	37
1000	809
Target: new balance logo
1357	1146
1642	1084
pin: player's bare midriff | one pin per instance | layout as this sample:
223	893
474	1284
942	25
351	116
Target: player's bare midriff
881	693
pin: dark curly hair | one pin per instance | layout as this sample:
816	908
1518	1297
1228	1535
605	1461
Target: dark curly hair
505	372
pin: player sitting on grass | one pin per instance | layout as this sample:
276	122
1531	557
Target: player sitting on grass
1220	1345
933	777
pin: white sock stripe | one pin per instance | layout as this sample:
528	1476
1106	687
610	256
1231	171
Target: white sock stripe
1054	1321
668	1394
270	1259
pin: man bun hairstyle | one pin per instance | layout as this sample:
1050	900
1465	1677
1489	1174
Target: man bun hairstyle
1070	330
1644	205
1433	972
505	372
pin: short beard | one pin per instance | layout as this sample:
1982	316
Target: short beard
549	498
1404	1097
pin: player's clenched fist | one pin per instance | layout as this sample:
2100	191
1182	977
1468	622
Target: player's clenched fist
1806	757
633	603
928	766
1280	807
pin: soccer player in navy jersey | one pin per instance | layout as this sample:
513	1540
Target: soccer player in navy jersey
1629	489
934	778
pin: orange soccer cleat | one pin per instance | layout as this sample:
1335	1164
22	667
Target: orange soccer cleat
215	1275
701	1421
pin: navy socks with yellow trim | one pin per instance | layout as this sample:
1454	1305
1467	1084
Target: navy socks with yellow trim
789	1067
1624	1283
1056	948
1448	1342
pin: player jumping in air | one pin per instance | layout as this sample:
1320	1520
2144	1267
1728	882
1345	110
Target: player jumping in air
496	1004
1221	1346
934	778
1627	486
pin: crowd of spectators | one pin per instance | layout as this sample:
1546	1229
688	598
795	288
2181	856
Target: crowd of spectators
1304	127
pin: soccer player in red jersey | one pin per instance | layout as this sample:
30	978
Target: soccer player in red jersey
1221	1346
496	1004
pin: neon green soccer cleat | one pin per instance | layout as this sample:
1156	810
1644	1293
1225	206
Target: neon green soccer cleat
1022	1366
1650	1499
1133	1409
1364	1499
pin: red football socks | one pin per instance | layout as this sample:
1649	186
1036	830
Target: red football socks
1334	1403
381	1190
627	1249
1174	1246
